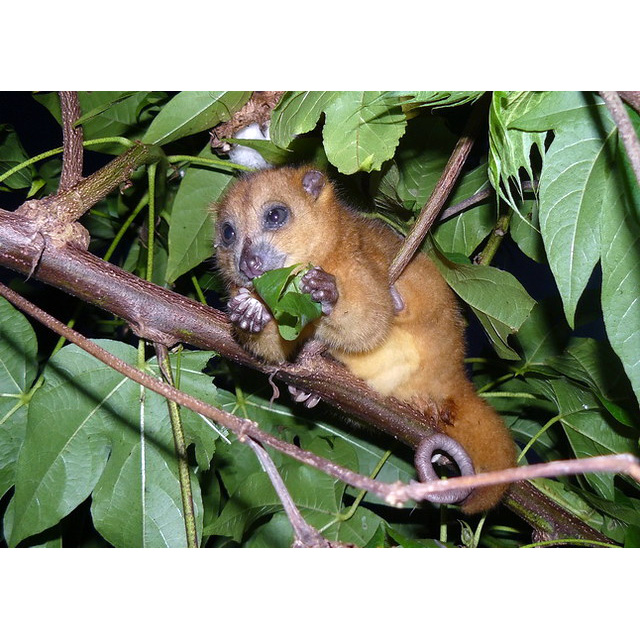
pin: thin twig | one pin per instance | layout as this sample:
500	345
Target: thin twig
627	133
477	198
438	197
72	138
304	534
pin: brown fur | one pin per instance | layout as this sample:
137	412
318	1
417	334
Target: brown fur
415	354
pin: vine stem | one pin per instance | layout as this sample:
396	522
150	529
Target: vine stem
208	162
162	355
184	476
495	240
58	150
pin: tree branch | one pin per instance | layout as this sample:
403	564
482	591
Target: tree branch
632	98
304	534
627	133
439	195
72	139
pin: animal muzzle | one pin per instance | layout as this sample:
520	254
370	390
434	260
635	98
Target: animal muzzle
258	257
251	262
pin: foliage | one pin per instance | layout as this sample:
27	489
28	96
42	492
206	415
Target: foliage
559	309
291	309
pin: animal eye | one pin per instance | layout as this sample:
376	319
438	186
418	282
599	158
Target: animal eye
275	216
227	234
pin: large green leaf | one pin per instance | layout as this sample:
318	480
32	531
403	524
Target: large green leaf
620	240
589	430
91	432
437	98
421	157
18	368
594	363
192	228
544	333
361	129
496	297
572	205
193	111
590	210
297	112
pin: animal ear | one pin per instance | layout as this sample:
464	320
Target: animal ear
313	182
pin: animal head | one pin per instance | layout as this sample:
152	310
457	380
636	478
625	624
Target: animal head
270	219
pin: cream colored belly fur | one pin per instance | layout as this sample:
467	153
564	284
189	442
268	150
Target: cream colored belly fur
387	368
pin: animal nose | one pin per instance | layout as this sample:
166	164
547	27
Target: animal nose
251	263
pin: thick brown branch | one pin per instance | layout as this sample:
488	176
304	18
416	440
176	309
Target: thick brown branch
54	214
159	315
72	138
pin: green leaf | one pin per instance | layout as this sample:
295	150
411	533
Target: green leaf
91	433
109	113
588	430
362	130
192	224
421	157
525	230
557	109
463	233
436	98
573	501
544	333
496	297
573	204
18	368
620	240
190	112
11	154
291	308
510	148
594	364
296	113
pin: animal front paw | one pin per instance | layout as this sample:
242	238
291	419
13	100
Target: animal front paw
247	312
322	287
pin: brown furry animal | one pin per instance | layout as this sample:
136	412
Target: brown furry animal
405	340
